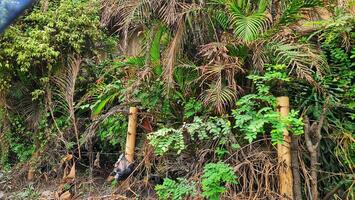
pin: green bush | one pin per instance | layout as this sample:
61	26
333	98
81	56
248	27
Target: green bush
167	139
170	139
113	130
257	111
175	190
214	178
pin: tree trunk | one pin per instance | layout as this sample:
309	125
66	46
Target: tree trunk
313	137
297	184
314	180
284	153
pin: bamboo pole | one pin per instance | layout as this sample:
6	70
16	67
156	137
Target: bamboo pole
131	134
284	152
32	164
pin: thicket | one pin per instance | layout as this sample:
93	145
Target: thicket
205	76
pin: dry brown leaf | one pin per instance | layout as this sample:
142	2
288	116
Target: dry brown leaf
65	196
72	172
65	171
66	158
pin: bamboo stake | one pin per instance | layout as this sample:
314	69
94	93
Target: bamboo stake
32	163
131	134
284	152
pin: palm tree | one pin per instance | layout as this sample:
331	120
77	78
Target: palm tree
178	16
246	34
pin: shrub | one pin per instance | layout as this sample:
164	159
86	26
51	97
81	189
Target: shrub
214	178
175	190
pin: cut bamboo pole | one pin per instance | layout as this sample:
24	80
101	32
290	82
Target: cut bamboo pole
131	134
284	152
31	170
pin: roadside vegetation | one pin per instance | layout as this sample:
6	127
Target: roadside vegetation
206	76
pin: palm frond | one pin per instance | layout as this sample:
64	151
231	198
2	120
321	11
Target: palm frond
247	20
219	64
222	19
219	97
338	27
248	28
185	76
168	11
259	57
200	27
152	46
171	54
65	90
19	101
302	60
219	75
291	10
125	12
65	83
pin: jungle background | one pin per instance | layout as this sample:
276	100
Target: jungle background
205	75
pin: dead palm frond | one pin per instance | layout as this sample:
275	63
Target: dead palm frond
302	60
219	75
125	12
217	52
129	13
171	54
29	106
219	63
259	57
219	97
65	90
168	11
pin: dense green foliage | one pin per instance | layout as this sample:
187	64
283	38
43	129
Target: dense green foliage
212	129
255	111
175	190
43	40
205	76
34	51
215	176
